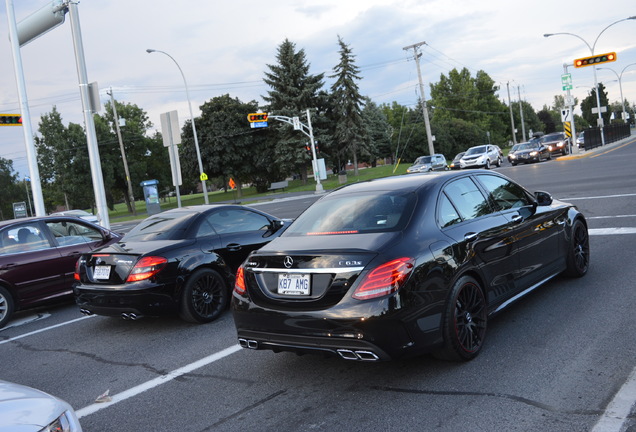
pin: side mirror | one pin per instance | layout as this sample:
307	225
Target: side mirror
543	198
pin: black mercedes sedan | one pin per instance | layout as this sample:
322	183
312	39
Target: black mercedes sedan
179	261
405	265
528	152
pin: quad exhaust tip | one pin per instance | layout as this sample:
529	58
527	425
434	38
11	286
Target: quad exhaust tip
86	312
131	316
250	344
348	354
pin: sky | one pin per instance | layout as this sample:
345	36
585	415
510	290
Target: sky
224	48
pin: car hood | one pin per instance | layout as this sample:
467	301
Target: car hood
24	409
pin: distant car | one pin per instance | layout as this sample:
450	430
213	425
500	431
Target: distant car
405	265
529	152
483	156
556	142
454	165
436	162
26	409
82	214
580	140
512	150
38	256
180	261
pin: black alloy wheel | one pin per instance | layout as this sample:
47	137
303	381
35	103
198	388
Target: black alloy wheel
578	260
465	321
6	306
205	296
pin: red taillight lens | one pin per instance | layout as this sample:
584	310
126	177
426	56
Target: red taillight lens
384	279
146	268
76	275
239	284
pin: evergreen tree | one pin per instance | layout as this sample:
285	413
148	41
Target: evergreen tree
590	102
293	91
346	102
12	190
378	131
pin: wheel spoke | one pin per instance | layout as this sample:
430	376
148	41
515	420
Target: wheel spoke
470	318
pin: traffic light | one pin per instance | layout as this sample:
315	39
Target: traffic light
257	117
10	120
594	60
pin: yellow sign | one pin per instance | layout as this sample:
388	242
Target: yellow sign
231	183
203	177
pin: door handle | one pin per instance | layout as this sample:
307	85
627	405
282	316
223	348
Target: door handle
517	218
233	247
471	236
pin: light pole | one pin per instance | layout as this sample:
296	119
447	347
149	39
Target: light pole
202	175
620	85
591	47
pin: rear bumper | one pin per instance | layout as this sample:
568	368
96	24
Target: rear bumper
153	301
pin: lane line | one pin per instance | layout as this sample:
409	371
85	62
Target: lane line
617	411
611	231
163	379
46	328
597	197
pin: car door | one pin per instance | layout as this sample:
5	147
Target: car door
481	235
240	231
30	264
537	231
72	239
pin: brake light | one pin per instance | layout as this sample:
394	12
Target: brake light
76	275
384	279
239	285
146	268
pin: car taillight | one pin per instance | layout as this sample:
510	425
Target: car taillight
76	275
239	284
384	279
146	268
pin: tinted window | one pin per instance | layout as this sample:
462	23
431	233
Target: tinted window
69	233
353	214
505	194
476	150
467	198
23	238
165	226
237	220
447	213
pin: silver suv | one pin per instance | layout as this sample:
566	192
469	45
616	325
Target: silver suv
436	162
483	156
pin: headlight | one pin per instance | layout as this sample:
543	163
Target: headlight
513	156
64	423
534	153
560	144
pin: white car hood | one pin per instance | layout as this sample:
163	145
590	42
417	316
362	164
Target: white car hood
24	409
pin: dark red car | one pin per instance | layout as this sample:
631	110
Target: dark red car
38	256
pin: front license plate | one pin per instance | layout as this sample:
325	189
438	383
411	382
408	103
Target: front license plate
293	284
101	272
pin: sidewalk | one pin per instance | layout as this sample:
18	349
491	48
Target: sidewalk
580	154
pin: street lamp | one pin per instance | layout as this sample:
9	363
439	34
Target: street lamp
591	47
620	85
194	129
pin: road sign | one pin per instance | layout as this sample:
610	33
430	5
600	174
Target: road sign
204	176
258	125
566	81
566	115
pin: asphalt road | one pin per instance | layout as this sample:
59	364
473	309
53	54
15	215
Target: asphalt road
552	362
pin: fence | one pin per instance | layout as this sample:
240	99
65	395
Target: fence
612	133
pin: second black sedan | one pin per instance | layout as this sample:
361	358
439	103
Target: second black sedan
179	261
528	152
405	265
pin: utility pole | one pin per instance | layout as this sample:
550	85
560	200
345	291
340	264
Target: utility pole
123	153
523	125
417	55
512	121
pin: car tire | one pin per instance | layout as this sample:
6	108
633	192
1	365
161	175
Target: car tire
578	259
205	296
487	165
549	156
513	163
498	162
6	306
465	321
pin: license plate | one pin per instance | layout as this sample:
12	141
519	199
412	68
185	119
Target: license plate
101	272
293	284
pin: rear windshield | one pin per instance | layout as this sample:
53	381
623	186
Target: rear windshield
165	226
355	214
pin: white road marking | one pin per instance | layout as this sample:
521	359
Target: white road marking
45	329
611	231
26	320
617	411
611	217
163	379
596	197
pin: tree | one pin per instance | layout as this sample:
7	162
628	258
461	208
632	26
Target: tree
12	191
293	91
378	130
590	102
346	103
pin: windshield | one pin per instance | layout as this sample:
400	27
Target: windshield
476	150
354	214
165	226
422	160
527	146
